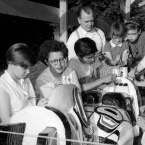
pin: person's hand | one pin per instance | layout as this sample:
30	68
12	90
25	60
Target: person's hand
117	58
110	78
136	82
98	54
132	73
142	109
42	102
123	63
141	122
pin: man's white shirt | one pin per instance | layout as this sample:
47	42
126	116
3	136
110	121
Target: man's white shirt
95	34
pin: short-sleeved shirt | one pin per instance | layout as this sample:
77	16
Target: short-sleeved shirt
95	34
137	48
142	62
47	82
115	50
143	139
85	70
21	96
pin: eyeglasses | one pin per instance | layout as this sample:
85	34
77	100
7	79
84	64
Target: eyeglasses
116	37
55	61
132	34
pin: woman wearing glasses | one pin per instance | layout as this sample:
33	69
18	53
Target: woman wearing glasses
16	90
55	55
86	65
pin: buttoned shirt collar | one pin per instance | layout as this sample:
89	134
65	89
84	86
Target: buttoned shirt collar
114	45
85	32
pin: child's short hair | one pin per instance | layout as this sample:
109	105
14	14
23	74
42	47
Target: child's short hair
117	29
132	24
85	46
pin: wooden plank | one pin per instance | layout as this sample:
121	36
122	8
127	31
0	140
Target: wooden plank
127	10
132	1
63	20
32	10
141	4
28	9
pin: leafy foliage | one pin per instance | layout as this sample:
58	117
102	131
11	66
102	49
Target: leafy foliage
110	8
138	12
106	8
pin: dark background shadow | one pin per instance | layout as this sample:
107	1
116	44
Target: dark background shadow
22	30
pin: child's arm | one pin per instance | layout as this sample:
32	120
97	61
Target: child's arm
141	123
139	83
125	56
109	59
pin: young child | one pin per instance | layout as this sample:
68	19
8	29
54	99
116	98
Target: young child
86	65
116	51
136	41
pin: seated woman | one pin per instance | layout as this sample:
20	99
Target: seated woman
16	89
117	51
86	65
55	54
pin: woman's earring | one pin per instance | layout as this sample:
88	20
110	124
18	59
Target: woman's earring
11	66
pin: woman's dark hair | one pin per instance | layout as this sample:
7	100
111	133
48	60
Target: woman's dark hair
20	54
133	24
117	29
52	46
84	47
86	9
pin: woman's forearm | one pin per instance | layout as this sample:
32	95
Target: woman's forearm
140	83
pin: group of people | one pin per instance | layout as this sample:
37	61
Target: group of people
76	62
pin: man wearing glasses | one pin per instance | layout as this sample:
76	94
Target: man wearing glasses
55	55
